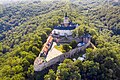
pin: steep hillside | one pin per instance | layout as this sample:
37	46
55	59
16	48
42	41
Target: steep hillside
24	28
21	44
27	23
17	14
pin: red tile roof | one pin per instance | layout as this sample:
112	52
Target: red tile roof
46	47
50	38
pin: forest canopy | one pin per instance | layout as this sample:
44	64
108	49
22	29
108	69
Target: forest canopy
24	28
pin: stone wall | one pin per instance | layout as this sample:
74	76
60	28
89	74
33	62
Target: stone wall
60	58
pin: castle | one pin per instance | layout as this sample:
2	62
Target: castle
49	55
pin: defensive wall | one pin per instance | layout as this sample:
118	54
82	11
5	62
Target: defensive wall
60	58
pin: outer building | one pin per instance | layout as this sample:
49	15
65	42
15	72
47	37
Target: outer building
86	38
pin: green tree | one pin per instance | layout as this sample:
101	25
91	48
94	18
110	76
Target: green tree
17	69
66	47
68	71
18	77
30	72
35	50
90	70
78	63
1	48
73	44
50	76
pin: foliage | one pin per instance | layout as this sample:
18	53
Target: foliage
65	71
24	27
66	47
51	75
60	48
73	44
63	48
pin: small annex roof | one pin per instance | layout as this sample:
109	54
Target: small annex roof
81	58
86	36
80	44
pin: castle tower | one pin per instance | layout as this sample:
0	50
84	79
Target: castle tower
66	20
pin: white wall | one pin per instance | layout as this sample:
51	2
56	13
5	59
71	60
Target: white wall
62	32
